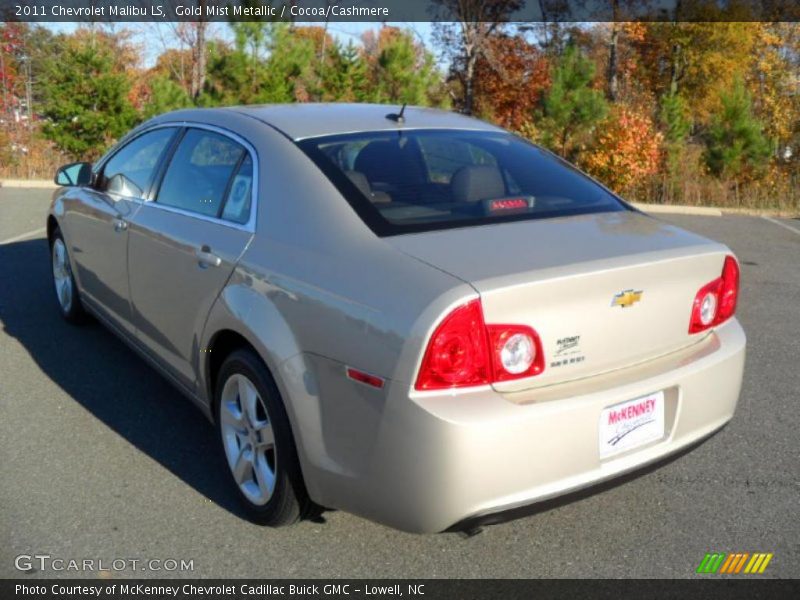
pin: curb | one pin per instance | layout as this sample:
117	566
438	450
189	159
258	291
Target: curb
780	214
28	183
679	209
708	211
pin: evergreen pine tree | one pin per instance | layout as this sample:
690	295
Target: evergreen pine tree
84	98
165	95
735	143
571	108
676	126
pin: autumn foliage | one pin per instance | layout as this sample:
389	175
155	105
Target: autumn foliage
511	77
686	112
626	150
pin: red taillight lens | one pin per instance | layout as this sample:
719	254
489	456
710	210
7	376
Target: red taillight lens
464	351
716	301
457	353
729	292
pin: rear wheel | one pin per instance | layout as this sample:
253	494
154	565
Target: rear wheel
69	302
257	442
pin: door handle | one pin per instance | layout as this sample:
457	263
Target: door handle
206	258
120	225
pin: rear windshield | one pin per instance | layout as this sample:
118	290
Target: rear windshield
408	181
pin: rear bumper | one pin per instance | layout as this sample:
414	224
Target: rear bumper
440	459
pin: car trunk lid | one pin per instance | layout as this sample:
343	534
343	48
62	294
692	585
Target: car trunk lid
603	291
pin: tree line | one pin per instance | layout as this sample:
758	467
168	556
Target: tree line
699	113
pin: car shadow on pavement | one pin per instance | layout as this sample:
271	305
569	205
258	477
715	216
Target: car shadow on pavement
108	379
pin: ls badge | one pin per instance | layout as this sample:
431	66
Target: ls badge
627	298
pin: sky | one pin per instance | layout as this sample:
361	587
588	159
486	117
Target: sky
343	31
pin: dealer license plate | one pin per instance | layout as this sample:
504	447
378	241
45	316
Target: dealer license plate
631	424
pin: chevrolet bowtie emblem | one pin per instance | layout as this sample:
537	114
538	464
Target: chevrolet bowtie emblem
627	298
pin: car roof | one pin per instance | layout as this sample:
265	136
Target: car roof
306	120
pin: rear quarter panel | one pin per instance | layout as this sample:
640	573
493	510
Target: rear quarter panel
316	291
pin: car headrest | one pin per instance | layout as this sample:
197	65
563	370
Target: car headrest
362	183
477	182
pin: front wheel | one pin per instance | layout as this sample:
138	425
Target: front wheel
69	302
257	442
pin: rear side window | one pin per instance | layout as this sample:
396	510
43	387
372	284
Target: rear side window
130	171
201	173
237	205
421	180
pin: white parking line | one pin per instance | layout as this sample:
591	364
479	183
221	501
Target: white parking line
784	225
23	236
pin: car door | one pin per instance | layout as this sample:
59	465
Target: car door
98	233
185	243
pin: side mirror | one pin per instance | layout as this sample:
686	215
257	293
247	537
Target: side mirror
74	174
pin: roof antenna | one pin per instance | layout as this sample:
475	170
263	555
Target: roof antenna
398	117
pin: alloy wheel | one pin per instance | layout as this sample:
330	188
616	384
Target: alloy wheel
248	439
62	275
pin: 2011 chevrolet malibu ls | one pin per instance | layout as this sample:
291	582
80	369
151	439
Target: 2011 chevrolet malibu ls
413	316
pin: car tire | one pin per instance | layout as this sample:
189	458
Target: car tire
67	297
250	416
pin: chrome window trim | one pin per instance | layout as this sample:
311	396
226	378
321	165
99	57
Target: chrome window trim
250	226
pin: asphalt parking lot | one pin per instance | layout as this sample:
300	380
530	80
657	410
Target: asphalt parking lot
101	458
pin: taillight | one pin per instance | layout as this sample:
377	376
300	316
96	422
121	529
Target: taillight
516	352
716	301
457	353
464	351
729	293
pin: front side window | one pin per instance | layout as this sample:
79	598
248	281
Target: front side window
200	176
130	171
419	180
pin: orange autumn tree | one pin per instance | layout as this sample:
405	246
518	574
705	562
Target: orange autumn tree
319	37
697	60
511	75
12	47
626	150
